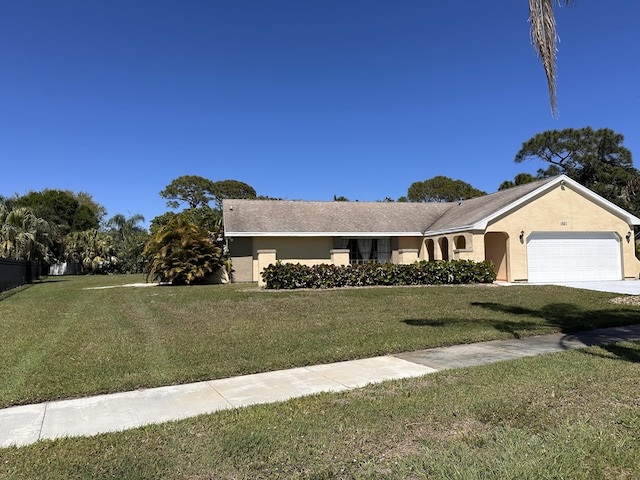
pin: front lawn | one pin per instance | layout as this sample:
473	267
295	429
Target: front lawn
572	415
60	340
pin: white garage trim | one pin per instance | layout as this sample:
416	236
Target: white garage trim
573	256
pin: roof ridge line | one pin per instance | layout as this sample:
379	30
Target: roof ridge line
444	212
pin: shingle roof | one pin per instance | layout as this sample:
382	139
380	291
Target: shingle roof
285	216
300	218
476	209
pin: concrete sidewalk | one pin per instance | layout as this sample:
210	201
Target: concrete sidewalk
27	424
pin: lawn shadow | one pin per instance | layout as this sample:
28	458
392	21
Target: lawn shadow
566	317
21	288
422	322
578	323
620	352
9	293
50	280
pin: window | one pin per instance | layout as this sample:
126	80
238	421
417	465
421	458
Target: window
365	250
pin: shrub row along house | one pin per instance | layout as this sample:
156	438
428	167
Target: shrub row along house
551	230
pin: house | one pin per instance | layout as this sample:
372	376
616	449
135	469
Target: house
547	231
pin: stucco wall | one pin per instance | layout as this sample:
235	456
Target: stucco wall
242	269
475	241
406	243
560	210
241	252
307	251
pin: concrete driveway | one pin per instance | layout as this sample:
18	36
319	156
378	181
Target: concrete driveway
628	287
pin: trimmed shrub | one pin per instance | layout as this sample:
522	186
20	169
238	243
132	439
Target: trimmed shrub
290	276
182	253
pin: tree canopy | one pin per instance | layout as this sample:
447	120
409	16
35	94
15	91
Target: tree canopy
519	179
198	191
62	209
205	217
193	190
64	212
231	189
594	158
442	189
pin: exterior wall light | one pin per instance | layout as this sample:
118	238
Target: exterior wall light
628	237
521	236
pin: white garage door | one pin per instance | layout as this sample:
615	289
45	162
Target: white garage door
573	256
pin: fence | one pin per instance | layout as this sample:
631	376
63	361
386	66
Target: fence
65	268
14	273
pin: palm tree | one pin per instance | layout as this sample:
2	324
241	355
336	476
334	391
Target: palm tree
126	226
129	240
93	249
545	38
23	236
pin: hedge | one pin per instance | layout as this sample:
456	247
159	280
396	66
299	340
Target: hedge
290	276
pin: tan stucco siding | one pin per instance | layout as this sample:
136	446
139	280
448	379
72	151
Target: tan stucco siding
560	210
477	247
241	252
406	243
496	245
307	251
242	269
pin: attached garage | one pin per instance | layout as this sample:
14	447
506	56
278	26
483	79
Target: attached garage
574	256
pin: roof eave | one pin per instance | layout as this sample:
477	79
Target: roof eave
446	231
322	234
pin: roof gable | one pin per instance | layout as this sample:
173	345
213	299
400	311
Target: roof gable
564	182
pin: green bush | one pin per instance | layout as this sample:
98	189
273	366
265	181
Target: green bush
290	276
181	253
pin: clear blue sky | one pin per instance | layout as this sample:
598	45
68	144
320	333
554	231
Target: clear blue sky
302	99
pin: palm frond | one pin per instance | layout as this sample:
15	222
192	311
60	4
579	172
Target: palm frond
544	38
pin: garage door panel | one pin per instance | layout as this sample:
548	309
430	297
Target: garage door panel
573	256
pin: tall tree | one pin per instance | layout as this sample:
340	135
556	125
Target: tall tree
442	189
231	189
126	226
193	190
85	199
129	240
197	191
63	212
594	158
545	40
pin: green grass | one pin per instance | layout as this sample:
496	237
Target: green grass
573	415
60	340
